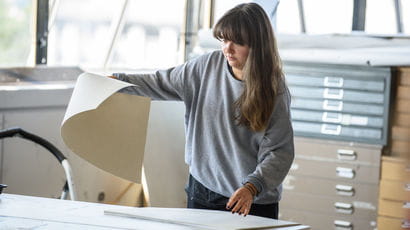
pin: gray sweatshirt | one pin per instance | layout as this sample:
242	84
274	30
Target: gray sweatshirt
221	154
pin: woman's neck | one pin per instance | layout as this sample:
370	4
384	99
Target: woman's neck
237	73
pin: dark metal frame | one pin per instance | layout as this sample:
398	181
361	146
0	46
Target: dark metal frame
41	31
301	16
359	15
399	16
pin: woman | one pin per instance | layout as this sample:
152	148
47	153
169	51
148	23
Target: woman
239	138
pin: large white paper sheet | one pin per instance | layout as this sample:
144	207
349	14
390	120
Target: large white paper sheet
106	128
202	219
27	212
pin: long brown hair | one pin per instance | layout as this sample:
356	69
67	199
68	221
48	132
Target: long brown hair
248	24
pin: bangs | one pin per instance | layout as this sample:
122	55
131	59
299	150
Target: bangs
232	29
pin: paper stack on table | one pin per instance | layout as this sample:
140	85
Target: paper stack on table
202	219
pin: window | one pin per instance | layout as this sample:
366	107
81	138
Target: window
150	36
83	33
222	6
79	34
380	17
16	33
406	16
288	17
324	16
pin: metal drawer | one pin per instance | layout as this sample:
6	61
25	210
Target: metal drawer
320	221
338	106
337	118
336	82
337	94
324	129
328	205
344	172
331	188
338	151
358	94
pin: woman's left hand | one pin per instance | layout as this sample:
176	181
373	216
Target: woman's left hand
240	201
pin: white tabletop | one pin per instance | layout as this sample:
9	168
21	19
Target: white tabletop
26	212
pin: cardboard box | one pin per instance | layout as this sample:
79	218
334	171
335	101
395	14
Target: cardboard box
403	106
397	209
395	169
403	76
401	119
395	190
401	133
403	92
389	223
401	148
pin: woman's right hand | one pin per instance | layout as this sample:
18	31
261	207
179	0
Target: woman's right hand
113	77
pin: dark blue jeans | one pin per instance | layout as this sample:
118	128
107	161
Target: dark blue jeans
200	197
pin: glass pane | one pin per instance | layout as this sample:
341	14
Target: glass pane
270	6
405	4
380	17
150	36
288	17
16	32
221	6
80	34
324	16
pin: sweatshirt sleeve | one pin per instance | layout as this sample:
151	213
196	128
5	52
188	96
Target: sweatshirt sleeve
169	84
276	151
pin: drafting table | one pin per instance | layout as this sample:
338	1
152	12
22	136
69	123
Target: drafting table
27	212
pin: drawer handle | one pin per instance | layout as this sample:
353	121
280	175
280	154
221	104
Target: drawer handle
407	187
333	105
333	93
405	224
345	172
332	117
346	154
333	81
331	129
406	205
344	208
344	190
340	224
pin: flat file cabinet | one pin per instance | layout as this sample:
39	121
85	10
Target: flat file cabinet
340	117
339	102
332	185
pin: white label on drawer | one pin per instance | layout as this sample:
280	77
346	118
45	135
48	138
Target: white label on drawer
358	120
364	205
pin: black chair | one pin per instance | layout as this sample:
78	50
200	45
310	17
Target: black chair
18	132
